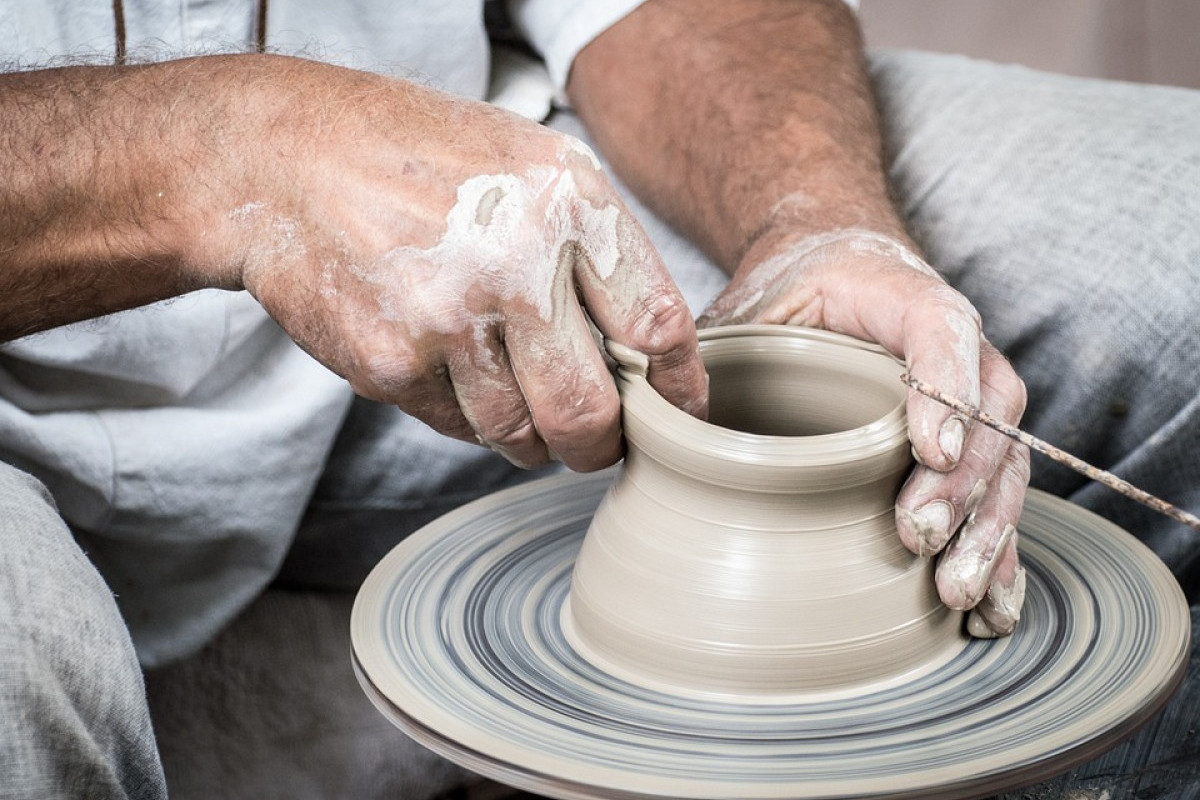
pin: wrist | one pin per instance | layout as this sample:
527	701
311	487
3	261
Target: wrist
784	240
208	143
136	190
220	152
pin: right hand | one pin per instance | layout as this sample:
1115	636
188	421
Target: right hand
964	498
446	257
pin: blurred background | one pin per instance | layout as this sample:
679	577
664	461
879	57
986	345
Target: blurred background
1150	41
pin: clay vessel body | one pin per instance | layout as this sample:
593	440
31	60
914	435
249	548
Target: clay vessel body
755	554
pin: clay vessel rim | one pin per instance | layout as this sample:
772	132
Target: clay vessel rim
862	442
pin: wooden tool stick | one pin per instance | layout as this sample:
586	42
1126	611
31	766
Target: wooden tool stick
1104	477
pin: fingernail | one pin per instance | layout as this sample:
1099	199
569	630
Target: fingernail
932	524
999	611
916	456
970	574
951	437
977	627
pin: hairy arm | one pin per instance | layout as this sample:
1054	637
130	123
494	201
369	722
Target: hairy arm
751	126
440	254
90	217
762	114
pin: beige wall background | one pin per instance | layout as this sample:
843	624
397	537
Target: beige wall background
1152	41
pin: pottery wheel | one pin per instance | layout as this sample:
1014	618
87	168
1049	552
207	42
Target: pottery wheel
458	639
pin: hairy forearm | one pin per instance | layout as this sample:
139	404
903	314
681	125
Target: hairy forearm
738	119
88	195
121	183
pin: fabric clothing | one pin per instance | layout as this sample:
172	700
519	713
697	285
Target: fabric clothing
558	31
125	418
73	715
183	440
443	43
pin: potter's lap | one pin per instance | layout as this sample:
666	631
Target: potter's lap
72	697
387	476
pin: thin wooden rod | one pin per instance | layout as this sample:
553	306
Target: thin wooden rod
1101	476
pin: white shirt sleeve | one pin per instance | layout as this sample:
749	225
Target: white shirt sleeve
559	29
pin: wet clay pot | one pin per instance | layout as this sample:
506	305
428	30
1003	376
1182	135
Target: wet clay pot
755	554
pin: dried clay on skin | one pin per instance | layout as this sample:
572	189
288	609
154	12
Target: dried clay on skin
999	611
507	265
739	305
496	218
283	239
967	572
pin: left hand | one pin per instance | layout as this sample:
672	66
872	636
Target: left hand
965	496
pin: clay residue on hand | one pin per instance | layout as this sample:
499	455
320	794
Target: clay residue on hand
275	235
505	266
496	218
487	204
965	570
751	296
1000	610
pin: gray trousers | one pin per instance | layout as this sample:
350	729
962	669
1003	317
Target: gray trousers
1067	211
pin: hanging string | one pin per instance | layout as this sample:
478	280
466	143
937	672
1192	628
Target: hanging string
119	30
260	38
118	6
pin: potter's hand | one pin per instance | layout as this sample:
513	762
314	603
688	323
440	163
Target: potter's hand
964	498
445	256
440	254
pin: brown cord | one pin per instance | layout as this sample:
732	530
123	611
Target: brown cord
119	29
260	42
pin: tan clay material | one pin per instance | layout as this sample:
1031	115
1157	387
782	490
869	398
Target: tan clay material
670	682
756	554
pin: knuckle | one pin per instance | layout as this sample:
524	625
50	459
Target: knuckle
1016	397
944	301
666	327
570	149
396	374
585	419
513	432
1009	391
1015	468
443	418
937	300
